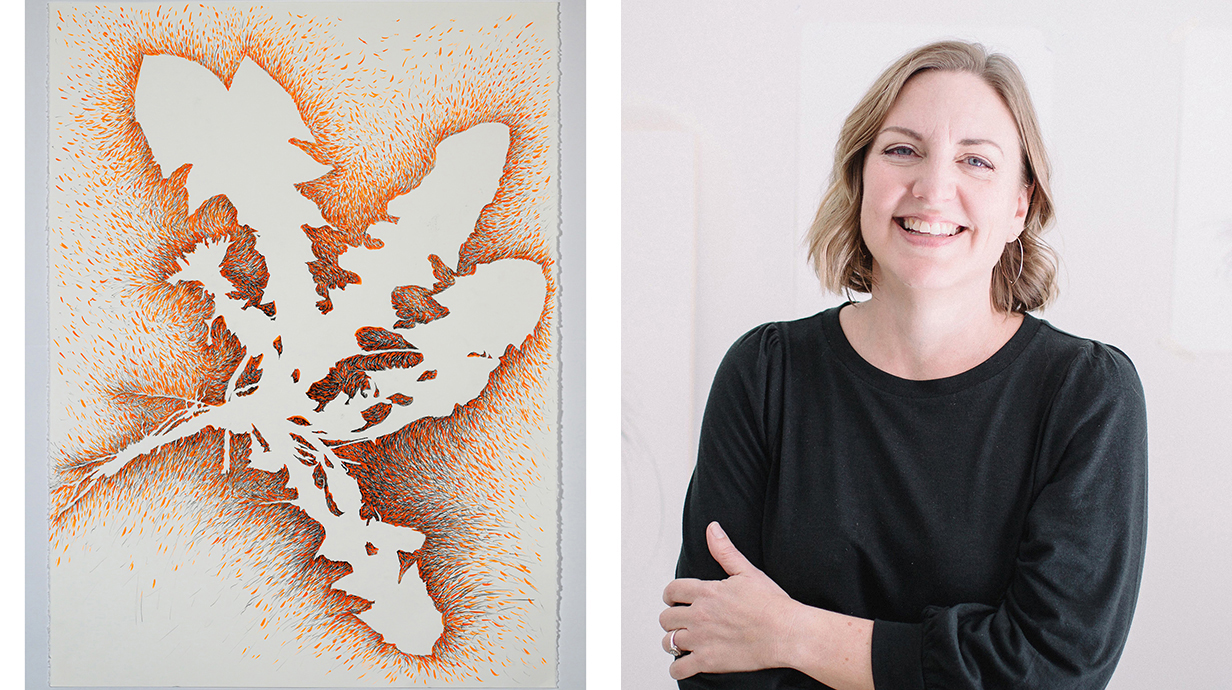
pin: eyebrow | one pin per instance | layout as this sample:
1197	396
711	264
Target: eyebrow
916	135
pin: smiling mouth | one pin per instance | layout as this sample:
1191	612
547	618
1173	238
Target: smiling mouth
916	226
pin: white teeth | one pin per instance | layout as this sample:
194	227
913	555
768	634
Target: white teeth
940	229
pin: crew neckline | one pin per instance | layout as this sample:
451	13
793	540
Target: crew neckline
888	382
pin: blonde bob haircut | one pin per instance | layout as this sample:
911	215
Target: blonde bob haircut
837	250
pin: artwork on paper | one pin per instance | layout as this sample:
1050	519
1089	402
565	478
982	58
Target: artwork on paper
303	321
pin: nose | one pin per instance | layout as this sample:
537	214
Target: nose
935	182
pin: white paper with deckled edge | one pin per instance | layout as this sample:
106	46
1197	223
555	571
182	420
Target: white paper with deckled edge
74	634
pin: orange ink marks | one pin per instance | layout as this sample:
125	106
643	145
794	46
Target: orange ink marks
350	375
251	374
405	561
373	338
374	415
327	245
414	305
318	476
445	277
260	439
175	441
245	268
301	441
331	443
224	354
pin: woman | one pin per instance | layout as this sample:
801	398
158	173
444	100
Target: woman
931	488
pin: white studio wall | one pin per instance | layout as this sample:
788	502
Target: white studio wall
1202	279
657	362
729	124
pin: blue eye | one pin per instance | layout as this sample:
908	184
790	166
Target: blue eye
978	162
900	150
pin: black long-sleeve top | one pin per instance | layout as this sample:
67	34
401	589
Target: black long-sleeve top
992	523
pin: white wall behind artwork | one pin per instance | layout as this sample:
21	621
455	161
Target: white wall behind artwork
729	119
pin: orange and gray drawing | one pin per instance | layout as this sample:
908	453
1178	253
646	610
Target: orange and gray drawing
283	240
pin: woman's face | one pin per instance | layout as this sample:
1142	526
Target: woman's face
943	190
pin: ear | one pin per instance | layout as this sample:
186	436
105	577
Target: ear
1024	204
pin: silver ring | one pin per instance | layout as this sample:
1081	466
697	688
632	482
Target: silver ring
672	648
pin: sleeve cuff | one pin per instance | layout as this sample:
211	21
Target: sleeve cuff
897	660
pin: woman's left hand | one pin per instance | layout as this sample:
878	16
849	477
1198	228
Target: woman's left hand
742	623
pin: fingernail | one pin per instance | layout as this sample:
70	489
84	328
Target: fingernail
718	531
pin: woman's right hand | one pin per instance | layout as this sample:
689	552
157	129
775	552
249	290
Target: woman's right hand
736	624
746	622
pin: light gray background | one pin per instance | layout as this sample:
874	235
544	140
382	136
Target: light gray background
729	119
572	253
